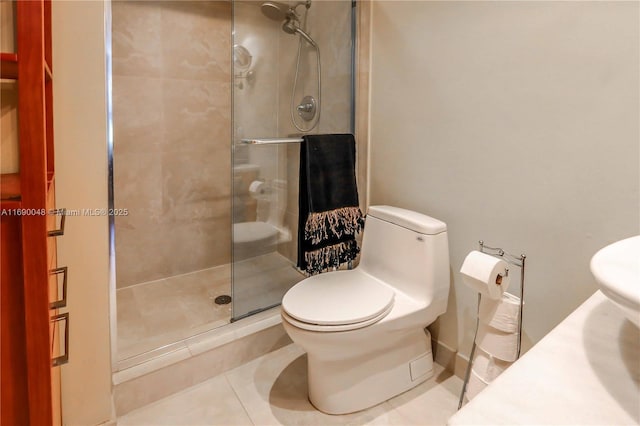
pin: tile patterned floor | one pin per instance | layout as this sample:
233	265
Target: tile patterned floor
158	313
272	390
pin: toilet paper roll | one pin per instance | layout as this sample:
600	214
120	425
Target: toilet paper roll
488	367
475	386
497	343
501	314
485	274
257	188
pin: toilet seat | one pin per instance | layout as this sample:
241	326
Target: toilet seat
330	328
337	301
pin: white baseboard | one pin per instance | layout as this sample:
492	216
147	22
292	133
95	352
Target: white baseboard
449	358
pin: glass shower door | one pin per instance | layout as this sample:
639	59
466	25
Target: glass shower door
276	50
264	212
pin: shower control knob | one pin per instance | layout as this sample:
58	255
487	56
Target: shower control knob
307	108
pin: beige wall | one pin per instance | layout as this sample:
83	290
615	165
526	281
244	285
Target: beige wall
172	123
516	123
81	182
362	101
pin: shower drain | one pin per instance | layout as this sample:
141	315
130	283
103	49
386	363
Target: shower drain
222	300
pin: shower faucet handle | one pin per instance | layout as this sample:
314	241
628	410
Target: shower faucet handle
305	107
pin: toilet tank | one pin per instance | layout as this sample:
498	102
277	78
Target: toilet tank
409	251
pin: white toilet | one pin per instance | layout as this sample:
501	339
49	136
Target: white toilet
364	329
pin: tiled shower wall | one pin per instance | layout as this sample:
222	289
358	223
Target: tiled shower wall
262	106
172	121
329	23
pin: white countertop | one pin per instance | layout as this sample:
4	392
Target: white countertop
586	371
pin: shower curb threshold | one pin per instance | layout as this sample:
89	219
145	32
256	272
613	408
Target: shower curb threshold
152	376
147	362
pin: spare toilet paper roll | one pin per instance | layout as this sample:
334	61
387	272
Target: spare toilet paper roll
475	386
488	367
257	188
497	343
502	314
485	274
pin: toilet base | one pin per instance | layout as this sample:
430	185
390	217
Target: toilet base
349	385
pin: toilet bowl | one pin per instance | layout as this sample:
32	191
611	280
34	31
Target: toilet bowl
364	329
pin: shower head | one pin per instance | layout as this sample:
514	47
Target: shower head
283	12
276	10
291	27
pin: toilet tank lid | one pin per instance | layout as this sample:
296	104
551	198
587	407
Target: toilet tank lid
414	221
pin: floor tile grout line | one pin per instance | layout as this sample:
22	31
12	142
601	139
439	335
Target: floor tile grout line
238	396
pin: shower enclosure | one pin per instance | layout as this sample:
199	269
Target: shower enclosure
211	233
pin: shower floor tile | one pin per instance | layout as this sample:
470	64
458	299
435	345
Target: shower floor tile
262	281
272	390
158	313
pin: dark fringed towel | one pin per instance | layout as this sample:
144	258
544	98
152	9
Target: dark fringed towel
329	216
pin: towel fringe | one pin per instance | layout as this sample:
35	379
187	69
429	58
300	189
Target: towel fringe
333	224
331	256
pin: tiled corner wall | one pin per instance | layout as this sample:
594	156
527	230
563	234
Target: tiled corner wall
172	122
329	23
262	105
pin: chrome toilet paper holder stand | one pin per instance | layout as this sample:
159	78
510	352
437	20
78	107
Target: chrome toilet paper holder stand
511	259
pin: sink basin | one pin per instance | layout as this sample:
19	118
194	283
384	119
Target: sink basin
616	268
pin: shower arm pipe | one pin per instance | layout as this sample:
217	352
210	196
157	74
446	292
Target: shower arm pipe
270	141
